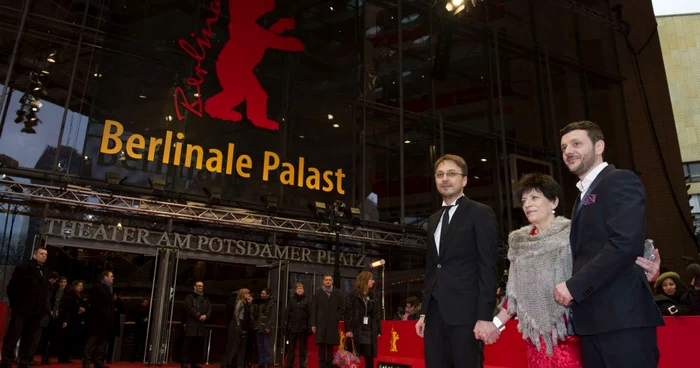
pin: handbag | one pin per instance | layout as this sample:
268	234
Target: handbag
347	359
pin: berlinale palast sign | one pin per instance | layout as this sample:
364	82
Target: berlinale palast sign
194	243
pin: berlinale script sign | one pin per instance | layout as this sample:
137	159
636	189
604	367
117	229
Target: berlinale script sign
236	63
195	243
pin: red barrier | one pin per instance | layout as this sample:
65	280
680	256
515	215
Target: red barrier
4	319
399	344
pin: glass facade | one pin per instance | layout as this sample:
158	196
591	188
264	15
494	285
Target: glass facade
353	100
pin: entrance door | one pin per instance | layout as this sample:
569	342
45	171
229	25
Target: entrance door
160	318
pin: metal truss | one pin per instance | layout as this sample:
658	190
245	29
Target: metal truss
23	195
599	17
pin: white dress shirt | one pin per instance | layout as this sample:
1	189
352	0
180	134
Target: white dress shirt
584	184
439	226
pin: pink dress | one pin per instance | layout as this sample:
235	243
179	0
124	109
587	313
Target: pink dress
567	354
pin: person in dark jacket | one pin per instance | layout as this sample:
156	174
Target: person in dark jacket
44	323
115	330
295	325
140	316
251	344
28	291
326	312
412	311
48	337
669	295
99	320
70	319
265	323
197	312
237	329
363	319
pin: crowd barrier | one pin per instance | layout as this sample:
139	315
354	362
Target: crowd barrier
4	319
400	347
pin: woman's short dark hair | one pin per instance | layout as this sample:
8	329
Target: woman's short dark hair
413	301
541	183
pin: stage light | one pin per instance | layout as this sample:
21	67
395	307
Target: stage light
352	214
318	209
52	56
214	193
378	263
157	184
115	178
270	203
381	263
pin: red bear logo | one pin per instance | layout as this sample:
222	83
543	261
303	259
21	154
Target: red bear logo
245	48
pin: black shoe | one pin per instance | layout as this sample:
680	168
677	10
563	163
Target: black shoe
86	364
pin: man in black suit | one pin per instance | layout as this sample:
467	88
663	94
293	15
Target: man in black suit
99	320
326	311
28	291
459	292
612	305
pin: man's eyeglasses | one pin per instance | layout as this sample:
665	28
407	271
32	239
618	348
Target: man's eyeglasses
449	174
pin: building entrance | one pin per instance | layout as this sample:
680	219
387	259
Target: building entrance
154	281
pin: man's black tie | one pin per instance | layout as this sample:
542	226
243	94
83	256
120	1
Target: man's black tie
445	223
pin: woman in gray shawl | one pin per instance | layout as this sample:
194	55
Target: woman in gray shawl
540	258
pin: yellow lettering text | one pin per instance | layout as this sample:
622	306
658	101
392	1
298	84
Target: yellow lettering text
108	136
152	147
214	163
166	147
229	158
135	141
244	162
329	183
272	161
339	175
300	182
287	176
314	181
191	149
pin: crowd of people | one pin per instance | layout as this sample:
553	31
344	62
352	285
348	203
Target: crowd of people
48	315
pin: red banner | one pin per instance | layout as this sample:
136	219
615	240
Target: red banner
399	344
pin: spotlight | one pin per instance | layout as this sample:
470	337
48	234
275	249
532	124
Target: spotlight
318	209
157	184
351	214
270	202
214	193
20	116
52	56
114	178
375	264
378	263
